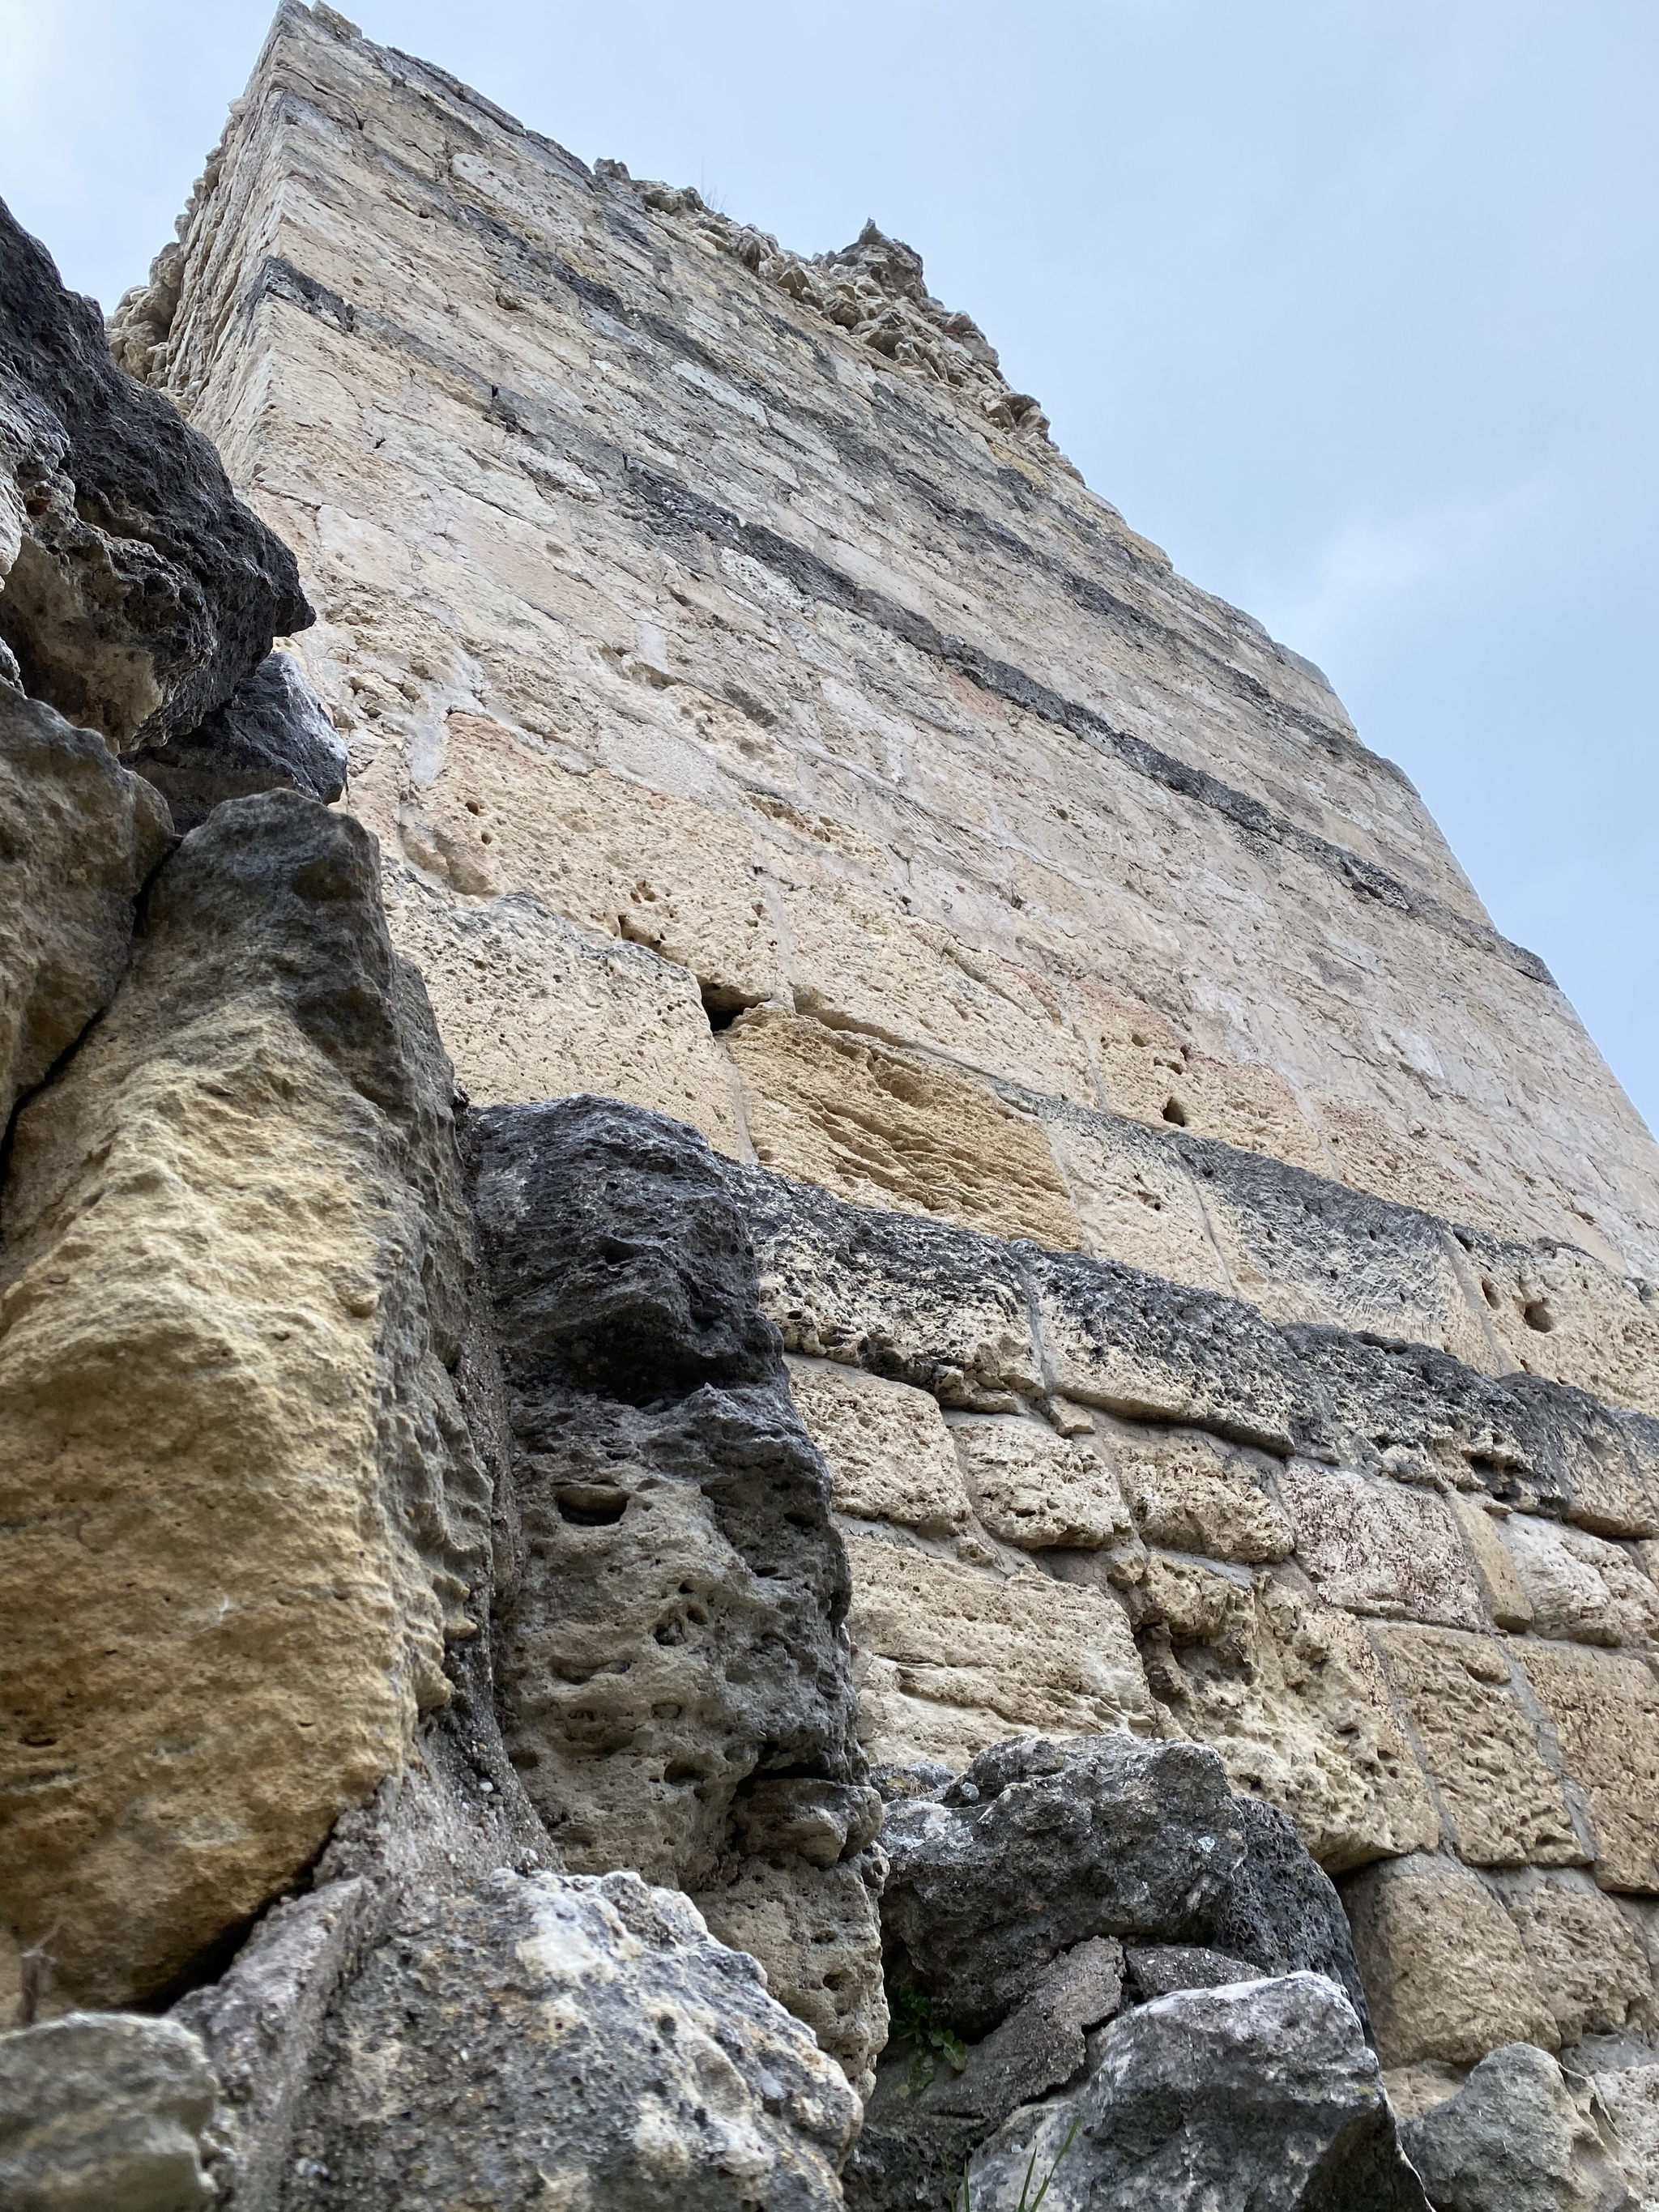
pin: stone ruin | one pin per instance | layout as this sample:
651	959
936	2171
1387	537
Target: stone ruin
818	1386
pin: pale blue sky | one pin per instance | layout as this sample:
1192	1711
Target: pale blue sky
1351	304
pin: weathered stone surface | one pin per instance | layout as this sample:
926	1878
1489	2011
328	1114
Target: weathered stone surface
1480	1746
1381	1546
1190	1493
884	1128
1559	1311
1446	1974
245	1511
1586	1959
1264	2093
135	590
1629	2095
580	2039
1155	1969
1133	1193
886	1445
1290	1695
1481	1518
1580	1587
1605	1711
1040	1846
104	2110
271	734
1034	1490
78	838
1514	2138
949	1658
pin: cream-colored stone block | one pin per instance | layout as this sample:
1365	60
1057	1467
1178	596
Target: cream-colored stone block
1581	1587
1506	1807
1135	1200
884	1128
1586	1959
1562	1313
1291	1696
950	1658
1446	1974
888	1448
1190	1493
531	1007
1605	1711
1384	1547
1035	1490
1506	1601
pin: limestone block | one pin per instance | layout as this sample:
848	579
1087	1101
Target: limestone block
1136	1345
101	2110
1594	1465
244	1512
817	1932
1446	1974
78	837
1580	1587
530	1006
1562	1313
1516	2138
886	1445
1381	1546
1290	1693
1506	1600
949	1658
1037	1491
886	1129
1605	1711
1586	1957
522	2037
937	1307
1133	1195
1190	1493
1480	1745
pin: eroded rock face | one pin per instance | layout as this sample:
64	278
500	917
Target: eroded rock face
1514	2138
79	837
245	1512
135	590
101	2110
567	2039
273	733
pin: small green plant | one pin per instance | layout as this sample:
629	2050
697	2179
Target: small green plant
1027	2202
913	2023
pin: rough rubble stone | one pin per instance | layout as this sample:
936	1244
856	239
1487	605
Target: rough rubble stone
1038	1846
79	836
273	733
1157	1969
137	590
1263	2093
1514	2138
104	2112
244	1512
566	2040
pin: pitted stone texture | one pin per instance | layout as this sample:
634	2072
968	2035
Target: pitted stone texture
1132	1194
1040	1846
245	1511
889	1452
884	1128
1514	2138
1480	1746
1588	1959
271	734
1190	1493
1480	1520
1446	1972
78	838
1604	1708
1158	1969
1561	1312
949	1658
1579	1587
1382	1547
1035	1491
576	2039
532	1007
1290	1695
135	590
1264	2093
817	1931
104	2110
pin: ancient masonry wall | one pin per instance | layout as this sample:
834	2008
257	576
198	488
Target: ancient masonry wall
1214	1262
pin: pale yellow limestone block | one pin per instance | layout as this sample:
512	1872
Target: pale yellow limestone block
1605	1711
1378	1546
1135	1201
1581	1587
1506	1601
1562	1313
1446	1974
1034	1490
879	1128
949	1658
1480	1748
1190	1493
1588	1959
887	1446
1291	1696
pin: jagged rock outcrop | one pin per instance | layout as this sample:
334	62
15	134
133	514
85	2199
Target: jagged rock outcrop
104	2110
1516	2138
271	734
135	590
245	1512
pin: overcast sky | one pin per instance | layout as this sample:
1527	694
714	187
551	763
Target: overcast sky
1350	304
